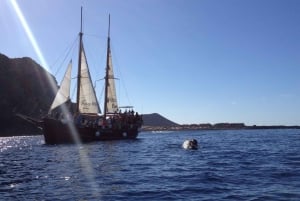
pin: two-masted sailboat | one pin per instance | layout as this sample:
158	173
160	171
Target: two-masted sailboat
86	123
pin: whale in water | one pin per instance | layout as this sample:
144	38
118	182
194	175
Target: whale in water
190	144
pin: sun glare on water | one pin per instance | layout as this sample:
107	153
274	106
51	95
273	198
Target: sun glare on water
86	165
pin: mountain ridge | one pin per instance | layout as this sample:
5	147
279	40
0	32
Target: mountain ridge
155	119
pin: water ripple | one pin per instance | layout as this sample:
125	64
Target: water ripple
230	165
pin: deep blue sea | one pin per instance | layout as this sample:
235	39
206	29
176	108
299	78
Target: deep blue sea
230	165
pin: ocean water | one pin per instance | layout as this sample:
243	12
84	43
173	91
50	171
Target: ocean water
229	165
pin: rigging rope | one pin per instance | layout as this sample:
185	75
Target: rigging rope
67	51
115	63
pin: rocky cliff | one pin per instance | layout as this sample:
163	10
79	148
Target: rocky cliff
25	89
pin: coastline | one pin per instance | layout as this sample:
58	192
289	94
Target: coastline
214	127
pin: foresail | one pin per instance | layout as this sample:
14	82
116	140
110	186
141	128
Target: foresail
87	101
63	93
112	104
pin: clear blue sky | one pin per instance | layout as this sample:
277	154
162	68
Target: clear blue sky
193	61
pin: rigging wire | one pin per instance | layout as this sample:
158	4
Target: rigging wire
100	55
115	63
67	53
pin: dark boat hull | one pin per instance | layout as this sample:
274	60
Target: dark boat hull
61	132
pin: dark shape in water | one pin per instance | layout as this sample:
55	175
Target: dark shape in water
190	144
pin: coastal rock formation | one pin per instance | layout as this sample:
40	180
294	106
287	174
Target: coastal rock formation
24	89
155	121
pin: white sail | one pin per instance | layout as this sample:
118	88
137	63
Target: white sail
111	104
63	93
87	101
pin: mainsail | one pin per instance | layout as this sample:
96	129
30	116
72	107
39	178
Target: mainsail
112	104
87	100
63	94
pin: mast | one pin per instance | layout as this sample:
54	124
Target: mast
107	69
79	64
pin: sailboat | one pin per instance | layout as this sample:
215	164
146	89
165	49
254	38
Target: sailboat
86	123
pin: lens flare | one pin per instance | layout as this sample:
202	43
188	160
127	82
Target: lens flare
29	33
84	160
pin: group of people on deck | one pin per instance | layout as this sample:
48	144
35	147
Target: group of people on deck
117	120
